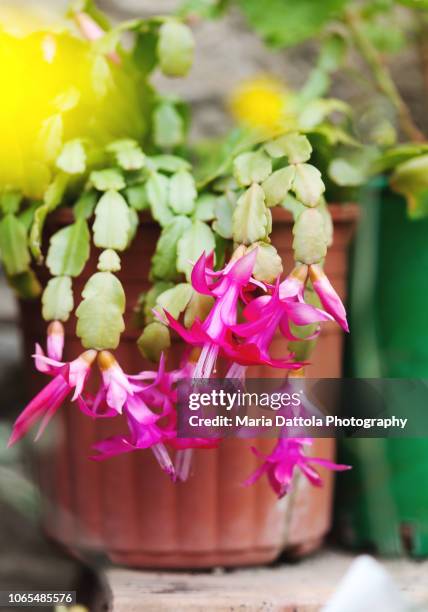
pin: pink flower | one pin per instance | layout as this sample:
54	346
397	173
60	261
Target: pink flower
127	395
267	314
181	444
145	399
165	387
66	377
288	455
294	285
92	31
328	296
144	432
164	392
228	284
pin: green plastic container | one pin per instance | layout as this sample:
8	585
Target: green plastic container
383	502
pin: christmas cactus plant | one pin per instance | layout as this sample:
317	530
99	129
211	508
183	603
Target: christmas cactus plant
113	153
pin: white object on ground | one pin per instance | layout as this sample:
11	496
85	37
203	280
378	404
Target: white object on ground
366	586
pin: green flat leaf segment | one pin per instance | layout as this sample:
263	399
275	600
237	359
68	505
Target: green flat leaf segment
310	240
164	261
168	163
308	184
252	167
182	193
100	320
168	126
112	224
72	159
268	264
57	299
69	250
148	300
10	202
277	186
251	218
53	198
411	180
109	261
107	179
175	48
195	240
295	146
13	245
157	190
154	340
174	300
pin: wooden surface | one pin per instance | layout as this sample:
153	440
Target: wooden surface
303	586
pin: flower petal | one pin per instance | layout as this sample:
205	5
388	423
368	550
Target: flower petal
110	447
194	335
328	296
305	314
42	361
199	275
49	399
330	465
253	310
241	271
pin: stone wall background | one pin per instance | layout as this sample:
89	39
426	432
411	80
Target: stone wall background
227	51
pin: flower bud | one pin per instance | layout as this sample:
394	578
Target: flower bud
55	340
328	296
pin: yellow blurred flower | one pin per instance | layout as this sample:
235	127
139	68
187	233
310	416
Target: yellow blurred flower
56	87
263	103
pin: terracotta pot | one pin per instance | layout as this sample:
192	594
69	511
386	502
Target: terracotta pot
127	508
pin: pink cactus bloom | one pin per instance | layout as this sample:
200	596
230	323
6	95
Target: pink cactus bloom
66	377
287	456
144	432
185	446
164	393
293	286
328	296
92	31
127	395
118	386
182	444
214	333
267	314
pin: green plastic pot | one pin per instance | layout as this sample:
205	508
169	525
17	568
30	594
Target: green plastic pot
383	503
